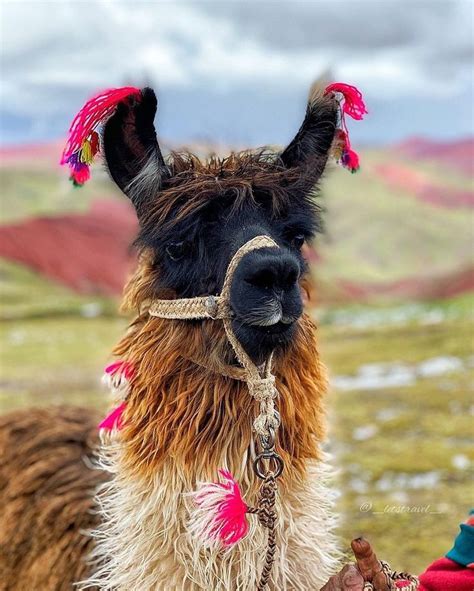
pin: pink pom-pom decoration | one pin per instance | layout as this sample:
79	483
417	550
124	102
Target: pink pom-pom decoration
117	376
219	516
120	368
83	142
113	420
352	104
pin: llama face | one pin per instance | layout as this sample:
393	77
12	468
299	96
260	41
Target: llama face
195	215
191	254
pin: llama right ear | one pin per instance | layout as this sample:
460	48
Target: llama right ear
131	148
326	110
315	136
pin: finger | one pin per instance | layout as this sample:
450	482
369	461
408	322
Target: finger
348	579
352	580
333	584
381	582
369	565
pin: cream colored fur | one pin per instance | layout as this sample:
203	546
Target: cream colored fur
143	543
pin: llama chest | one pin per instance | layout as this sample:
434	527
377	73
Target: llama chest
144	541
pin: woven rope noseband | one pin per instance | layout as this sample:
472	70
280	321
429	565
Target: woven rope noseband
261	385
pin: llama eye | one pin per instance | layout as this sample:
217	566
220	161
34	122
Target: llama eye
298	241
176	250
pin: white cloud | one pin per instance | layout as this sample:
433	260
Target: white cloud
56	53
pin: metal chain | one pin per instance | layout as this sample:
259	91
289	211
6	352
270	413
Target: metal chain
266	504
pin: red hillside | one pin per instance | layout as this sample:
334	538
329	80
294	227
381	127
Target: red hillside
88	252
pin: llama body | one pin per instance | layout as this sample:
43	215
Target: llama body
137	557
185	415
144	542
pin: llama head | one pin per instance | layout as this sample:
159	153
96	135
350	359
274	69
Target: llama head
194	215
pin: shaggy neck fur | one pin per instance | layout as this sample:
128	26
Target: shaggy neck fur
183	421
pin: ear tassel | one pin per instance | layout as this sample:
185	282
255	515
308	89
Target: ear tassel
219	516
83	141
352	104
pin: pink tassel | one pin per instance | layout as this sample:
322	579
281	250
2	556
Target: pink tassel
117	377
114	419
124	368
83	141
350	160
220	514
354	106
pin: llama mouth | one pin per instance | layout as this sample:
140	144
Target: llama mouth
260	341
279	327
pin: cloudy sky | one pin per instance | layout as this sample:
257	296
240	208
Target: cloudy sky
237	71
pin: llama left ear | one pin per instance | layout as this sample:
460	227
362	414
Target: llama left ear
131	148
314	138
128	142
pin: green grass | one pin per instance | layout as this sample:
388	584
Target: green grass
24	293
377	234
38	192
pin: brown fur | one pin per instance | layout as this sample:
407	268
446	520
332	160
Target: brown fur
195	183
46	502
181	409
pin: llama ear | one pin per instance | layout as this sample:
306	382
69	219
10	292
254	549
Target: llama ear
131	148
312	143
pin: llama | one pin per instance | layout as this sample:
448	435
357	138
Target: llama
183	413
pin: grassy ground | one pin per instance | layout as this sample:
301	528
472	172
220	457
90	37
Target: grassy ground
403	451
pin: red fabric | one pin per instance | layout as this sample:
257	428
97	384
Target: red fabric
447	575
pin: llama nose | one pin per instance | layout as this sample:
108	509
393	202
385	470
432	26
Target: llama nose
274	271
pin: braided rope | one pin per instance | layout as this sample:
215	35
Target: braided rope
393	576
267	517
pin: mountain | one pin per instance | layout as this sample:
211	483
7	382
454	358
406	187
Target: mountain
399	229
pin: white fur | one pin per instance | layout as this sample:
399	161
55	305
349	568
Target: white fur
144	544
118	385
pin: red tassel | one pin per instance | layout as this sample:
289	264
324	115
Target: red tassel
354	106
83	141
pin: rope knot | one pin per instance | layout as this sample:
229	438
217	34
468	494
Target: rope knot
265	423
263	389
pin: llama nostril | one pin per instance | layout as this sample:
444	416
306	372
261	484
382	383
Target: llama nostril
264	278
279	274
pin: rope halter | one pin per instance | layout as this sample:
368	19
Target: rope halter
260	380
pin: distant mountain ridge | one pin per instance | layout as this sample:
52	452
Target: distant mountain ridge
401	228
458	154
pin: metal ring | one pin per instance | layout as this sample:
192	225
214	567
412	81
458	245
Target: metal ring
279	464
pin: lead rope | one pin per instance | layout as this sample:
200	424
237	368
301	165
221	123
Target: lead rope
261	385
